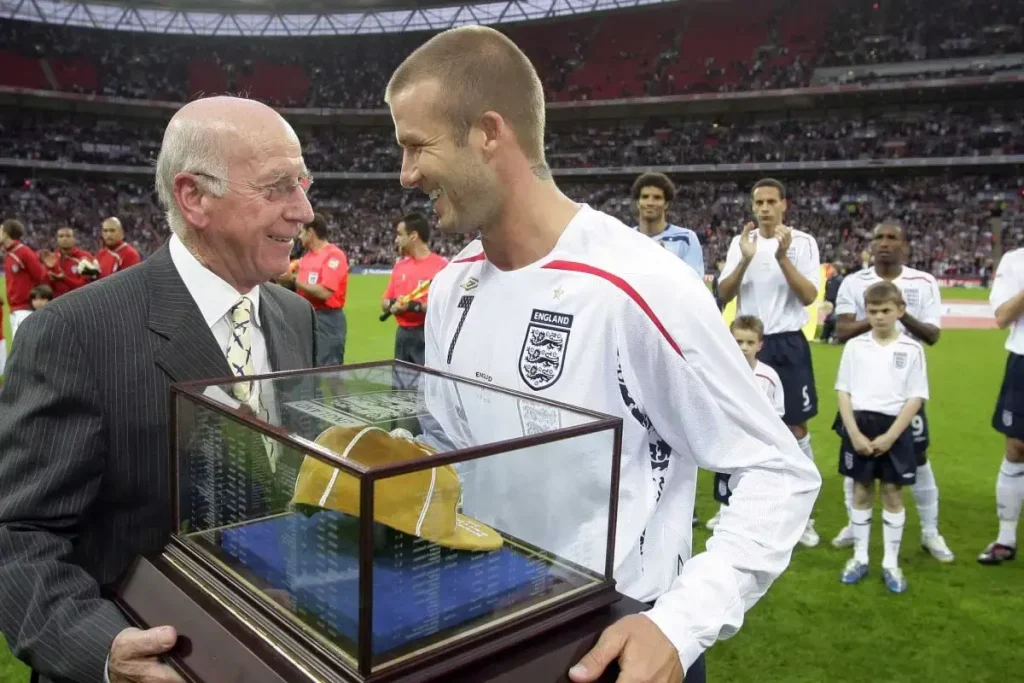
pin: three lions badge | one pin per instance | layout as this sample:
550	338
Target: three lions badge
543	354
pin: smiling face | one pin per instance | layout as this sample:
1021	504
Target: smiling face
246	234
457	174
652	204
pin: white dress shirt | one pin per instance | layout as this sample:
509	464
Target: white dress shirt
215	297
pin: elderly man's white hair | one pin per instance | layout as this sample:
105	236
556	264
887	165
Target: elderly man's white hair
199	140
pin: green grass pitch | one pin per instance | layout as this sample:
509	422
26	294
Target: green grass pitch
955	623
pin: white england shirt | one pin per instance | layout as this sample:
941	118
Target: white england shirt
771	385
608	321
920	291
1008	282
881	378
764	291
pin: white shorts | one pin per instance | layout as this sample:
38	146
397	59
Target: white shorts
16	319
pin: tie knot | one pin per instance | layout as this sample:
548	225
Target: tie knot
242	311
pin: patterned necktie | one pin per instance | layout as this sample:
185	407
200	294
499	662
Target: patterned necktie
241	362
240	347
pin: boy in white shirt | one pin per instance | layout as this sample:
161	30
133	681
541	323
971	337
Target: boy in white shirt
882	384
748	331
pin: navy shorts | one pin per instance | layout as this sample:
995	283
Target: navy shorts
722	491
898	466
789	354
1008	417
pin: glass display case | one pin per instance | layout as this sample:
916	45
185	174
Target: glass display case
367	522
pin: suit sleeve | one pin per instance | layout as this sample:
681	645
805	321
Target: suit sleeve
690	378
53	437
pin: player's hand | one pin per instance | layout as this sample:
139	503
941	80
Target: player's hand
862	444
134	656
49	259
645	655
748	242
882	444
785	236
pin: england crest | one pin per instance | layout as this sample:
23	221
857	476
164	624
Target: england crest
899	359
543	354
912	296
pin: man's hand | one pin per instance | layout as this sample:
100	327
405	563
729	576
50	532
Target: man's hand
286	278
134	656
645	655
785	236
862	444
748	242
398	307
882	444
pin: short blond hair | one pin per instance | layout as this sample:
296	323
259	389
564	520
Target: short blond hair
478	70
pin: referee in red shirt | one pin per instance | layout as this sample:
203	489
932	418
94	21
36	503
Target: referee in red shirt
22	271
322	279
416	266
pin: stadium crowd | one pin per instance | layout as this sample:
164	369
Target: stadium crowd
947	219
964	130
729	46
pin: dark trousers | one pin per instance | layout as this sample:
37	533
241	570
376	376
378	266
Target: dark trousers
331	330
410	345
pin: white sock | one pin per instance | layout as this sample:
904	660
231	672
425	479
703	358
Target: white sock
926	496
892	534
848	497
860	521
1009	496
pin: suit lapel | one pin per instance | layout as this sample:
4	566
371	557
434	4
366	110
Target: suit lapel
185	347
283	346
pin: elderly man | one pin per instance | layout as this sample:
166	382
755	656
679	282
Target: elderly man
84	415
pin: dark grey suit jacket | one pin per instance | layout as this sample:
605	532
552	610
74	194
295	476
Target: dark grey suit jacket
84	449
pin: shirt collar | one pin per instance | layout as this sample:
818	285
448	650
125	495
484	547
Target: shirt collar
213	295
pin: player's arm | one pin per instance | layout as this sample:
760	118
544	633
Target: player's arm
847	325
329	281
1007	296
737	260
389	294
699	393
130	258
317	290
801	276
929	334
35	268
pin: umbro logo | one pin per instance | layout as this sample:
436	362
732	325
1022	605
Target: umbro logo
470	284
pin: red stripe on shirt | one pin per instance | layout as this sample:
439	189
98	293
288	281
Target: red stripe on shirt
621	284
767	378
920	278
478	257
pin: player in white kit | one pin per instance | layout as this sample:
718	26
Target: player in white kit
773	271
1007	298
923	322
559	300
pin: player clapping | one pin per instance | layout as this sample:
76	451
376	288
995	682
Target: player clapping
882	384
